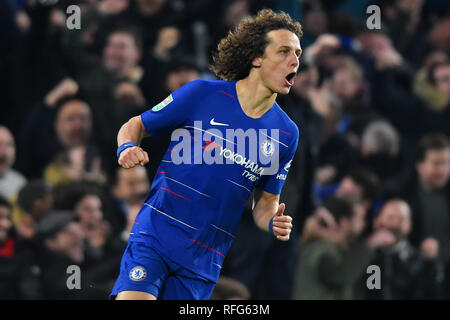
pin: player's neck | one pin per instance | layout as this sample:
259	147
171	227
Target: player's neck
255	98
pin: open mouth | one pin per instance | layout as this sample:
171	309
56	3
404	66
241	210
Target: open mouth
290	78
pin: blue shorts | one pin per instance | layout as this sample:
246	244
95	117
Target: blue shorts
144	269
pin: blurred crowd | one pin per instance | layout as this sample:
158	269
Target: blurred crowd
369	185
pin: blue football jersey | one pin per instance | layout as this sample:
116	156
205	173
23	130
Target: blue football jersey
217	156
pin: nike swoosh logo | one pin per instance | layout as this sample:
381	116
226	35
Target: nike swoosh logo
213	123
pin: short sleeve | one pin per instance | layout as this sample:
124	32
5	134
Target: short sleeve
174	111
274	183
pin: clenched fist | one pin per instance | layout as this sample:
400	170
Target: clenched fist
133	156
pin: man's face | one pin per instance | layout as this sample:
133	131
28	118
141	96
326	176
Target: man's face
349	190
315	21
132	185
442	78
5	223
69	242
89	209
344	85
279	64
395	217
73	124
175	80
7	150
120	53
434	170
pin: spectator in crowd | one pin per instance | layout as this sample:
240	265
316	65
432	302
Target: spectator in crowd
37	61
81	163
438	35
131	186
47	132
331	261
89	210
361	187
10	180
427	191
62	245
380	149
391	96
129	190
358	185
73	123
110	85
87	201
440	75
408	273
35	201
84	199
151	17
14	257
403	20
103	248
38	130
424	82
157	25
347	84
331	99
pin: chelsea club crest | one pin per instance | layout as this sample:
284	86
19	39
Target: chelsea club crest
268	148
138	273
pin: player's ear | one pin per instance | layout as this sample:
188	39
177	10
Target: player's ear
256	63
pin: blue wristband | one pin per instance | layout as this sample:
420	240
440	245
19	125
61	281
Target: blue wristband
124	146
271	225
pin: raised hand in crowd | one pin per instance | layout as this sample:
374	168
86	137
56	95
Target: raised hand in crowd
168	38
66	88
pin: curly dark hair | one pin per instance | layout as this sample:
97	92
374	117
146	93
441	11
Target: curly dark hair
248	41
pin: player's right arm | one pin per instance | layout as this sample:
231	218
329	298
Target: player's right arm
171	113
132	131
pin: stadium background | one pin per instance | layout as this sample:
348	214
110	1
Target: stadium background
372	107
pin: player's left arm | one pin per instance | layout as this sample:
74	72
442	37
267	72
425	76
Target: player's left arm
266	206
268	213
